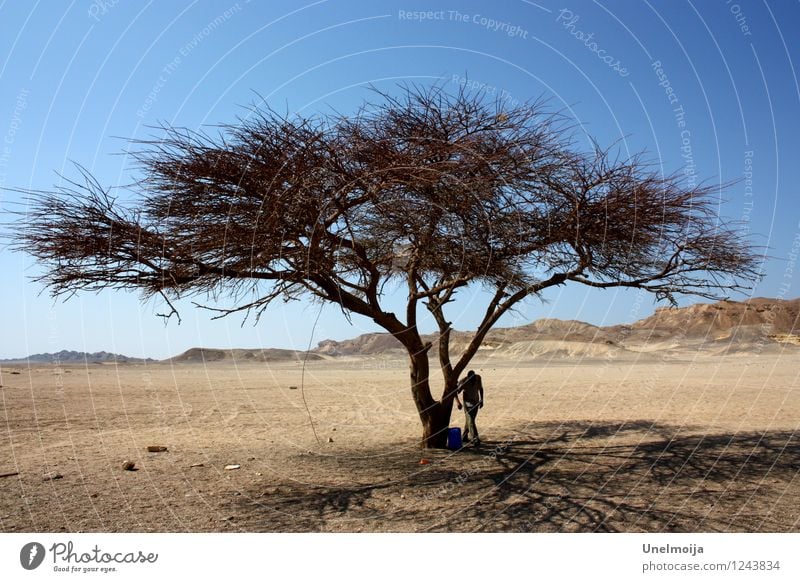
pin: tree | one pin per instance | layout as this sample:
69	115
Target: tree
431	191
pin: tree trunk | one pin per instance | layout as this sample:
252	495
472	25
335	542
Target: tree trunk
435	416
435	422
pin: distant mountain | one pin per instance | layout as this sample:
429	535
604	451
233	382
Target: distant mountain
73	357
241	356
756	325
726	320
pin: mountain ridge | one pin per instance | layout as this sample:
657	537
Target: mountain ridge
761	323
73	356
756	325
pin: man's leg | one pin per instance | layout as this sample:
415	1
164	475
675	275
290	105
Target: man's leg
465	433
473	427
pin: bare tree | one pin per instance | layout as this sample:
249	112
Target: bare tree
430	191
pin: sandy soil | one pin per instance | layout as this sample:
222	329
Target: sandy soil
660	445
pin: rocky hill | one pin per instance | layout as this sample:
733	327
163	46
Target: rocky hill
754	326
753	319
73	357
728	326
241	356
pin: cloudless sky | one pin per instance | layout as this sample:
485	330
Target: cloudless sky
78	79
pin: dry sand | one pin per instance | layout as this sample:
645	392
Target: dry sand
699	444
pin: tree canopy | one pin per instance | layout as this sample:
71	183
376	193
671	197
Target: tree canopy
429	190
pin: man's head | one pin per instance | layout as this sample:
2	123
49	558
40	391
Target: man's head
470	374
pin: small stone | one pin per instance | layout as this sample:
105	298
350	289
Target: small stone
334	429
251	459
292	387
232	467
94	495
52	476
156	449
197	465
330	440
129	466
258	474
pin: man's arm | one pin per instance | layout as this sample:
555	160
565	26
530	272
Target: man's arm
459	388
480	391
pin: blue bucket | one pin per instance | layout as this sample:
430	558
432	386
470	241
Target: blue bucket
454	438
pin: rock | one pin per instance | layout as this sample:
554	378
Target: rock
330	440
292	387
156	449
232	467
52	476
197	465
129	466
334	429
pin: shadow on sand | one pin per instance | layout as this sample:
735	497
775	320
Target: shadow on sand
557	477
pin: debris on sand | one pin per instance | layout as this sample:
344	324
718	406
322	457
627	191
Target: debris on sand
14	474
129	466
424	462
292	387
232	467
52	476
156	449
197	465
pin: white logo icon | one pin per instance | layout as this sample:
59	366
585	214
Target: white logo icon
32	555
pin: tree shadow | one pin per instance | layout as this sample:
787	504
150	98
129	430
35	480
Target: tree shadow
557	477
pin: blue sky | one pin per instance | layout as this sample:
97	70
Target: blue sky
706	88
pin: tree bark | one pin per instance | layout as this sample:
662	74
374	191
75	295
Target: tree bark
435	415
435	422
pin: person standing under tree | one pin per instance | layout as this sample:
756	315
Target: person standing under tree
472	387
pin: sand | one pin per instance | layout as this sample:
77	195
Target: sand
659	444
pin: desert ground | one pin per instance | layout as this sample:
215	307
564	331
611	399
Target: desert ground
653	444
